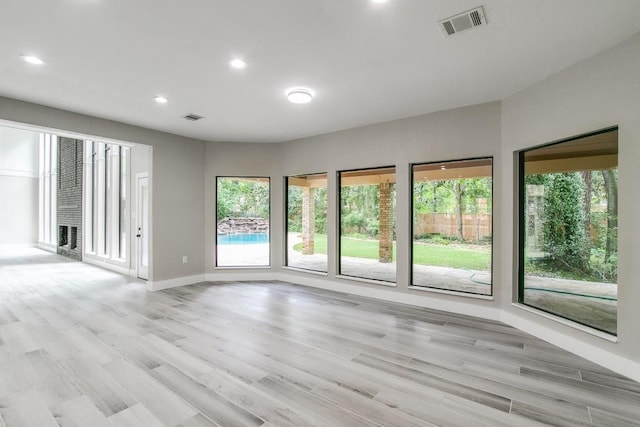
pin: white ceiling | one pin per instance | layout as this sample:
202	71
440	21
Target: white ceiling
367	62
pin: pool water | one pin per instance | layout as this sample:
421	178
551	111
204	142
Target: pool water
243	239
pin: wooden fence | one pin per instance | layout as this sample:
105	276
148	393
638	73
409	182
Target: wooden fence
474	227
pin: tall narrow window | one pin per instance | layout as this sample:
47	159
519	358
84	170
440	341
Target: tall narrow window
123	207
568	209
107	202
48	185
367	223
106	195
306	234
95	195
90	159
242	218
452	225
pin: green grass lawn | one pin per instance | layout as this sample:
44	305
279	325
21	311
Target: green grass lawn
453	256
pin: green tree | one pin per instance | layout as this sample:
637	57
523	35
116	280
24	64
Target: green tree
564	233
320	205
610	178
242	198
294	209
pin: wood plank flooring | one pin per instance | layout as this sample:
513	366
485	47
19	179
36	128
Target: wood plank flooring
81	346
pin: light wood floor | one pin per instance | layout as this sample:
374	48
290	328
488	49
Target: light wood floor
83	347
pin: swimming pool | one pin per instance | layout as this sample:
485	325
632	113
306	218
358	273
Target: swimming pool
243	239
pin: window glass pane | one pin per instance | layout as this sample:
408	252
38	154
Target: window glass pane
367	223
452	225
108	220
124	153
88	159
48	186
242	217
41	205
48	230
569	229
54	191
96	197
306	235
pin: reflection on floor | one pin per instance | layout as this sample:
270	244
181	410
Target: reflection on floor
80	346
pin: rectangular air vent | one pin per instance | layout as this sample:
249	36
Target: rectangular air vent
463	21
192	117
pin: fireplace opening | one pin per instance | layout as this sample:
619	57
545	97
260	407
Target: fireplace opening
63	237
73	238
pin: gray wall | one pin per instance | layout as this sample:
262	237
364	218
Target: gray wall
594	94
176	182
18	187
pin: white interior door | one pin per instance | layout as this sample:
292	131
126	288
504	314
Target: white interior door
142	232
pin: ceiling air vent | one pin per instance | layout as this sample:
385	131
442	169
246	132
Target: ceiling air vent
463	21
192	117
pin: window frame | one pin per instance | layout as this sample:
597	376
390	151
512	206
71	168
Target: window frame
103	212
412	226
286	222
521	237
339	272
48	182
215	249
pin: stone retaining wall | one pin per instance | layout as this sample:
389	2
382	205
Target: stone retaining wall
243	225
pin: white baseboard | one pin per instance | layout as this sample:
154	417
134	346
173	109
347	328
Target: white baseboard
210	277
595	354
174	283
388	294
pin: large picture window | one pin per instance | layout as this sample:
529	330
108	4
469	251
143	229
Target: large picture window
306	233
367	223
242	218
452	225
568	209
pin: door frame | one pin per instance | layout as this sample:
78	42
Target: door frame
138	217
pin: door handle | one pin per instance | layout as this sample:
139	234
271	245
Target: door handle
137	235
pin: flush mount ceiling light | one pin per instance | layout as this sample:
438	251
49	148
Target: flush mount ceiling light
299	95
32	59
160	99
237	63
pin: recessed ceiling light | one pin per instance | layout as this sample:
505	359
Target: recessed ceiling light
299	95
160	99
32	59
379	1
237	63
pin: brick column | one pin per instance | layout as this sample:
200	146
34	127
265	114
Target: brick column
385	251
69	197
308	220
